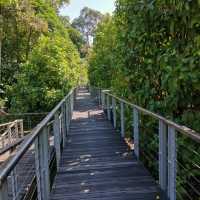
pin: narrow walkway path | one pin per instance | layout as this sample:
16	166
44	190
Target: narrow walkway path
96	163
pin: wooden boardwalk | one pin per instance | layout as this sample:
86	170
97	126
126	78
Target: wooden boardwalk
96	163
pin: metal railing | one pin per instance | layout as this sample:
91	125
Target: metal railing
30	120
32	162
10	132
170	137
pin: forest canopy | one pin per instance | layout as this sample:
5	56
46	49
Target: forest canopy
149	53
40	55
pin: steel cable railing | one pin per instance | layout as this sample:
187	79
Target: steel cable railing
31	170
170	151
10	132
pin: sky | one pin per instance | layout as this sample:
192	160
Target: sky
73	10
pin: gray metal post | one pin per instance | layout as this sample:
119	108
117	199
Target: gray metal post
103	100
14	183
99	96
4	191
56	130
114	112
60	127
74	96
108	106
72	102
70	108
69	111
163	157
171	163
42	165
67	115
136	131
63	124
122	119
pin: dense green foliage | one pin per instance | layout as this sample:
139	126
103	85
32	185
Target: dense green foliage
149	53
45	78
102	55
40	58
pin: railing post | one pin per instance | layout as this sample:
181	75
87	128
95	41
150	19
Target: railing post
171	163
29	122
72	102
108	106
70	105
16	129
136	131
56	130
4	191
74	96
103	100
60	127
99	94
49	135
14	183
21	128
163	157
122	119
67	115
114	112
63	124
9	135
69	110
42	165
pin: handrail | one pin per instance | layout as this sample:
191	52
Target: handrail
11	131
183	129
10	123
34	134
20	114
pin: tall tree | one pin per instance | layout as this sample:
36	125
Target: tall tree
40	62
87	22
75	35
56	4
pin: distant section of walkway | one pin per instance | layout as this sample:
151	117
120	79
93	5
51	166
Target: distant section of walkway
96	163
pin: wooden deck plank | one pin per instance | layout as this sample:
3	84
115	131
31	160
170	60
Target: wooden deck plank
96	163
